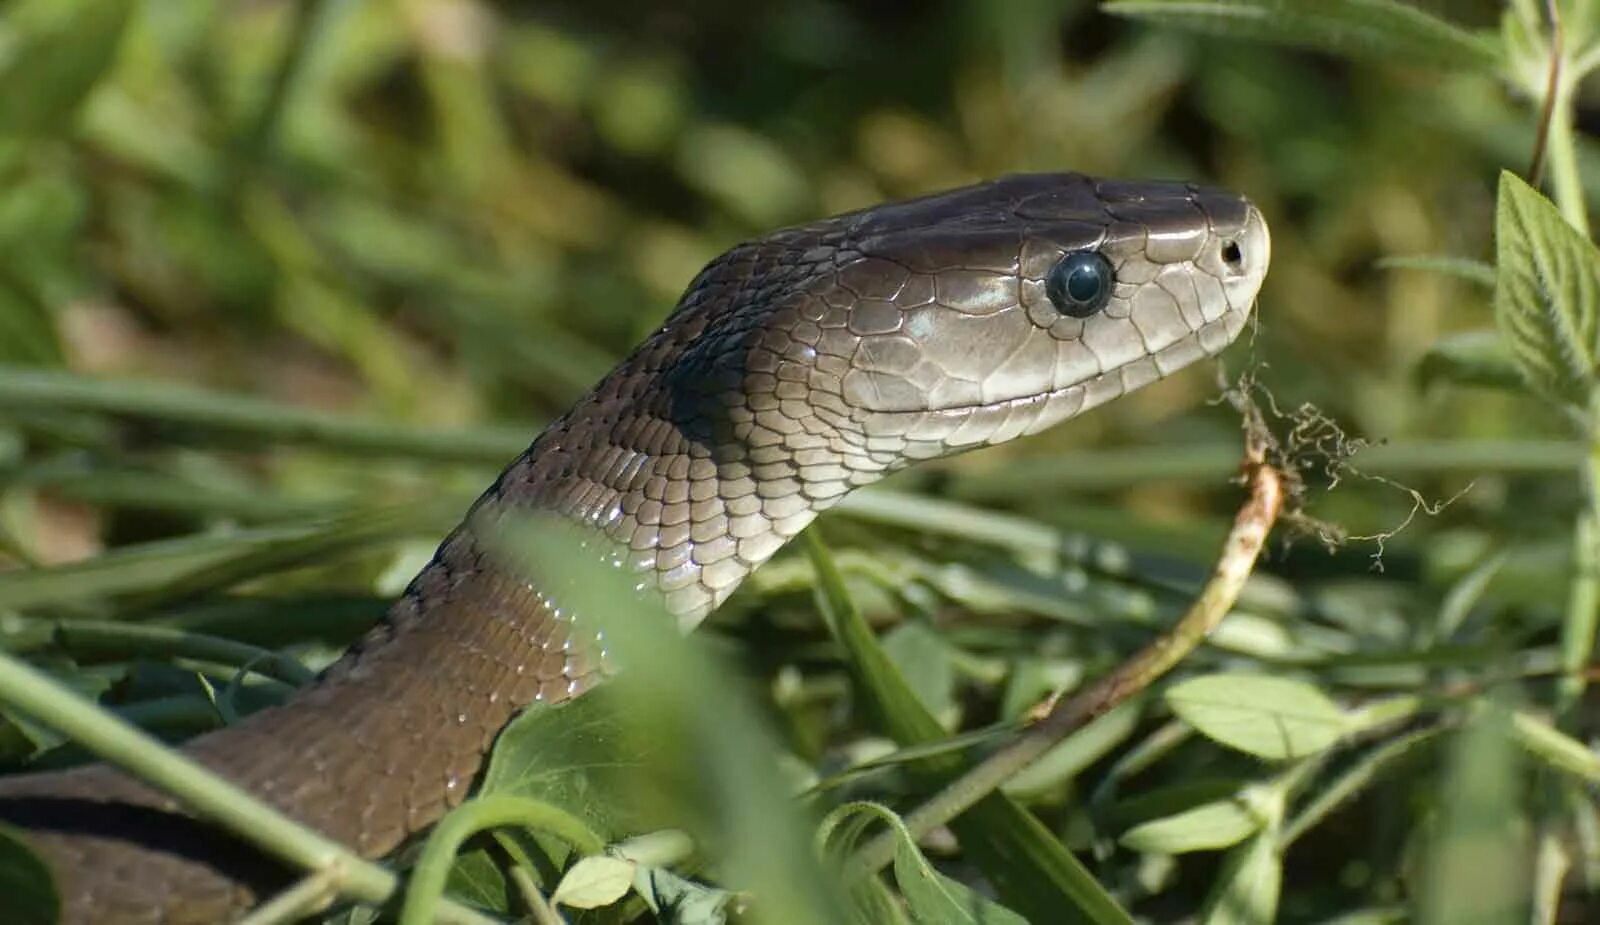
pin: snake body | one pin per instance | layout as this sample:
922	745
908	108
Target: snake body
795	368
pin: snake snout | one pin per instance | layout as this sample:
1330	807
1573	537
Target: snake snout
1242	256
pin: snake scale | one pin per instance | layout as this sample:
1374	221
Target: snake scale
795	368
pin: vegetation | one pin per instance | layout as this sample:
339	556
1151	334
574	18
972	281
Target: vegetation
282	285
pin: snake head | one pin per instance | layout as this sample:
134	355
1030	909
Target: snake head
974	316
818	358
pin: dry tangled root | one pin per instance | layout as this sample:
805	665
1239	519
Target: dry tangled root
1315	449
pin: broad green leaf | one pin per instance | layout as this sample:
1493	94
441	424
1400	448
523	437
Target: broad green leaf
1207	827
27	891
1246	893
595	881
1272	718
1383	29
1471	358
1547	294
581	758
1030	867
61	57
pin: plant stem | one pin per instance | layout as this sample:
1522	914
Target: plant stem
79	637
310	895
426	889
1243	545
208	796
1566	184
1583	600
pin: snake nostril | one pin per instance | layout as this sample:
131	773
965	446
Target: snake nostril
1232	256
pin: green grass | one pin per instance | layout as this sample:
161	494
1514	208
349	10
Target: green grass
283	284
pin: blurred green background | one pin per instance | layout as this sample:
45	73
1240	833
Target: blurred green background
443	213
267	263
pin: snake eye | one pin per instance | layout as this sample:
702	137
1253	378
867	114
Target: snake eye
1080	284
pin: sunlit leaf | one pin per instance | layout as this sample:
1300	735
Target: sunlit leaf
1246	892
595	881
1555	748
1547	295
1207	827
1273	718
1383	29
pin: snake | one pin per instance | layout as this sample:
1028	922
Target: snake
795	368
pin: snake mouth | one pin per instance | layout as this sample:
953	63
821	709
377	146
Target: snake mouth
960	426
1099	386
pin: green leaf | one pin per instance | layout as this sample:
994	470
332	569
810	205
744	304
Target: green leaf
594	882
1555	748
579	757
1246	893
27	891
1382	29
931	897
1471	358
1272	718
1207	827
935	899
60	59
1031	869
1472	271
682	901
924	660
1547	294
476	878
